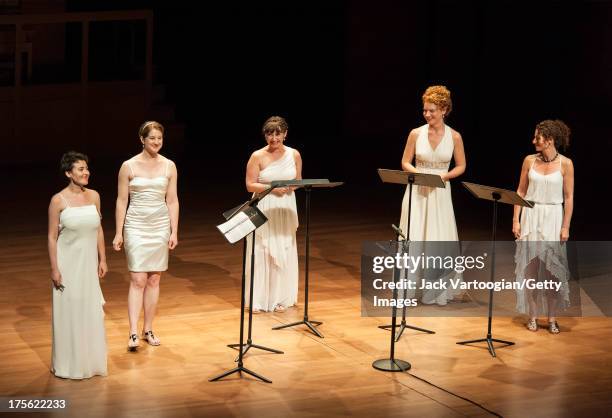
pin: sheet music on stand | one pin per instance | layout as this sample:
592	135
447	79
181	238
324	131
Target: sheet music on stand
242	223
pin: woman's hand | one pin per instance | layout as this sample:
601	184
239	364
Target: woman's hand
117	242
280	191
564	236
516	229
56	277
102	269
173	241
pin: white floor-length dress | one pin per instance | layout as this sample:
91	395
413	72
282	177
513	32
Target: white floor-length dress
276	258
79	338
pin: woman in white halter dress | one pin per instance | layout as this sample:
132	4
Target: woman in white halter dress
432	147
78	261
148	226
276	261
547	179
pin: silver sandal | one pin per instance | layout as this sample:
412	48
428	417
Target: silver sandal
532	324
553	327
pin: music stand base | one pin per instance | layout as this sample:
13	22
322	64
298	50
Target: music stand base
248	345
402	327
239	370
489	342
310	324
391	365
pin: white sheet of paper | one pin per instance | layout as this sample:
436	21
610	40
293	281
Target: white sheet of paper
236	220
240	231
236	228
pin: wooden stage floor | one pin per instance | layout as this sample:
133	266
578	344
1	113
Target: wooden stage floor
569	374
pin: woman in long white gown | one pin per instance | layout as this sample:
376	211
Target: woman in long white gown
547	178
78	261
432	147
276	261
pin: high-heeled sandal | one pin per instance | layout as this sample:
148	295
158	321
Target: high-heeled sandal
150	337
133	342
532	324
553	327
279	308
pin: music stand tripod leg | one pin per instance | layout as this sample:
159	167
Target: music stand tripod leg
240	368
489	339
249	342
403	325
310	324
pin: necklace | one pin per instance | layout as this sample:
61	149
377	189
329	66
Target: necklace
546	160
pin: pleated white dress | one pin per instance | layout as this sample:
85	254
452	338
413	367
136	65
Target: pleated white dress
539	252
276	258
432	216
79	338
147	223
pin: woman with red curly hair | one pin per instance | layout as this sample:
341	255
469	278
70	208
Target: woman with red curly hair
430	149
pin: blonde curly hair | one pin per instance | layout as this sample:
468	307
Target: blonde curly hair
440	96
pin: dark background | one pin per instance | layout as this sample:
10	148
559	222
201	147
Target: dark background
348	77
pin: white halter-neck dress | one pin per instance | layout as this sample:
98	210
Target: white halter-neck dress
432	216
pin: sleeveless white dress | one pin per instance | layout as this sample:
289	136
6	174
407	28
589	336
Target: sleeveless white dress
79	338
276	258
432	216
540	240
146	229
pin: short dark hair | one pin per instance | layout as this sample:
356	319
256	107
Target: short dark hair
71	157
274	124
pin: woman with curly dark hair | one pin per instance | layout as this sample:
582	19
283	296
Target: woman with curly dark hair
547	178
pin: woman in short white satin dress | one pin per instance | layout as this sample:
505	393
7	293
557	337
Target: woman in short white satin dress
432	147
547	179
78	261
275	285
148	226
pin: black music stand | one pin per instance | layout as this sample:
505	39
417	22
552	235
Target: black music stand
420	179
392	364
227	215
307	185
496	195
253	220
